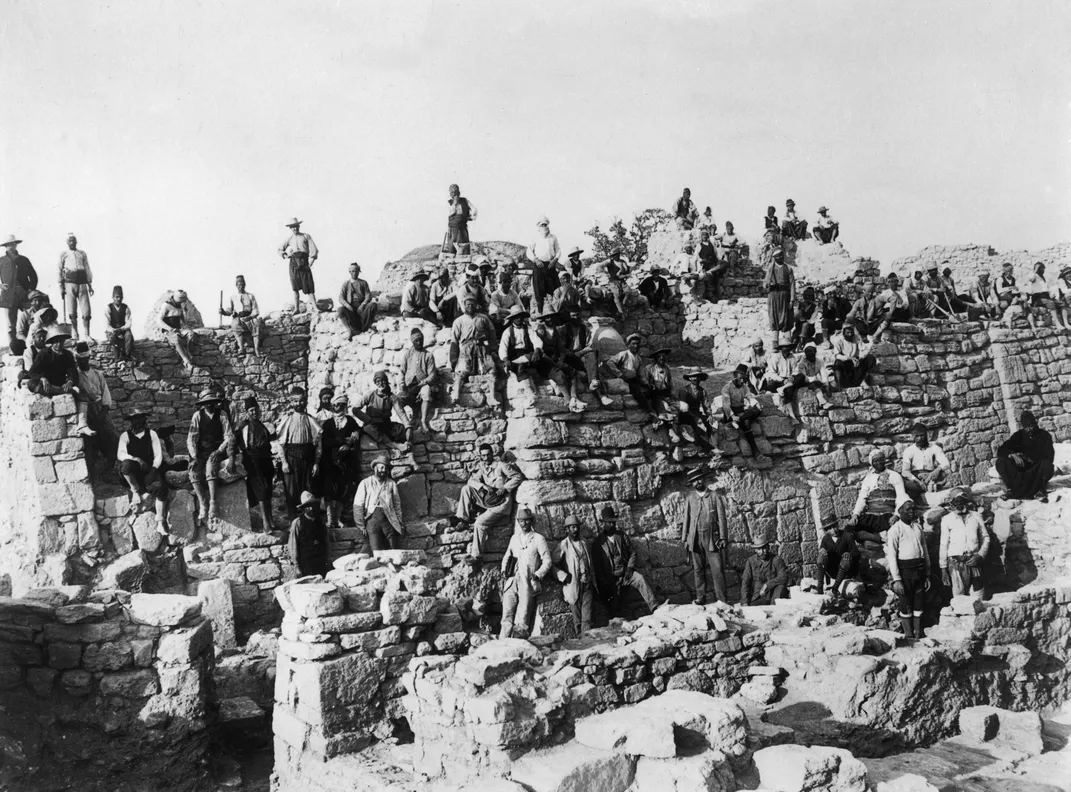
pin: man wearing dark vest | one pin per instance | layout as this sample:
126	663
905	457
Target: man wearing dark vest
299	450
308	546
119	324
210	442
141	455
76	285
879	492
704	532
254	443
462	212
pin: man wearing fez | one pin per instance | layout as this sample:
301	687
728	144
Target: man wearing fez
76	283
420	380
377	408
615	564
298	450
245	317
339	459
120	321
210	442
462	212
356	307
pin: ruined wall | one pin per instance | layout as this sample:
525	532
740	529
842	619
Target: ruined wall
969	261
743	280
48	532
106	693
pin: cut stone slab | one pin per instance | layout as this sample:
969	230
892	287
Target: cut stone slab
145	532
706	772
631	730
1020	731
574	768
798	768
315	599
906	783
164	610
125	573
217	604
717	723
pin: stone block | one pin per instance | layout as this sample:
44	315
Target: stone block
43	469
632	730
301	650
413	491
574	767
217	605
180	513
540	492
909	782
261	573
80	612
71	470
130	684
55	499
48	429
340	689
798	768
706	772
370	641
40	680
1020	731
400	557
163	610
64	655
145	533
311	599
63	405
77	682
122	535
345	623
125	573
108	656
183	645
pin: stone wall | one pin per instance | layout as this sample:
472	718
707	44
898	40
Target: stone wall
474	716
345	645
743	280
48	532
969	261
108	691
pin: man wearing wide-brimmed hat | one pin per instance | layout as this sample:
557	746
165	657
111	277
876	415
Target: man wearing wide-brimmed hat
140	453
302	254
765	576
527	562
25	274
37	305
381	414
964	546
792	226
487	497
356	306
75	279
298	449
655	288
441	297
691	421
518	345
10	291
416	299
420	380
340	459
502	300
175	325
705	531
573	263
838	557
628	365
55	371
308	545
377	508
544	253
615	564
740	408
212	446
573	556
579	355
472	286
658	377
826	229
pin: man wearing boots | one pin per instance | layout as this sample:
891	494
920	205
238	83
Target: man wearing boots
838	558
377	508
298	450
964	545
704	532
210	442
339	459
524	566
574	557
140	455
909	566
254	444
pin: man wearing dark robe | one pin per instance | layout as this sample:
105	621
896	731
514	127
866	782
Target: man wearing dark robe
462	212
615	565
339	459
308	545
298	450
704	533
765	576
1025	461
254	443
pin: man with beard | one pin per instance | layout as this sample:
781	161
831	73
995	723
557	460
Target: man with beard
908	560
655	288
176	327
487	496
852	359
356	306
140	455
835	309
376	409
524	566
765	576
76	285
462	212
254	443
780	284
377	508
420	380
120	321
298	450
838	558
658	377
924	467
339	459
628	365
704	533
615	565
441	298
324	410
574	557
210	442
1025	461
579	356
879	492
502	300
740	408
692	418
308	543
805	318
97	397
964	546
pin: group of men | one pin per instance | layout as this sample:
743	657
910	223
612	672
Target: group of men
825	229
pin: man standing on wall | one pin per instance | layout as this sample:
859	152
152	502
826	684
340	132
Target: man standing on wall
704	532
377	508
964	546
76	284
302	253
462	212
298	450
524	566
245	317
210	442
254	444
925	467
339	458
544	253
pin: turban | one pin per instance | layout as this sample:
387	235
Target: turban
877	453
380	376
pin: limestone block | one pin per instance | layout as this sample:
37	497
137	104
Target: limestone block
217	605
131	684
311	599
413	490
400	557
80	612
233	509
540	492
706	772
535	432
63	405
1019	731
64	655
55	499
125	573
574	768
163	610
762	690
301	650
183	645
370	641
344	623
145	533
341	689
631	730
180	512
719	721
48	429
797	768
71	470
107	656
43	469
909	782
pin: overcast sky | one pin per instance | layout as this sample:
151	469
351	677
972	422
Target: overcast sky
175	138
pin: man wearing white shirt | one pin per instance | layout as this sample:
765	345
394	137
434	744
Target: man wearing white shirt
925	466
524	566
245	317
302	253
377	508
462	212
544	253
879	492
826	229
964	545
140	455
852	359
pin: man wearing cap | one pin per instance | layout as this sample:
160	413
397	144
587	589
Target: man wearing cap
377	508
175	325
705	532
339	459
730	248
781	376
765	576
658	378
981	303
120	321
573	263
740	408
780	285
420	380
253	439
964	546
1007	294
356	307
628	365
527	562
685	210
441	298
919	298
75	279
579	355
879	492
298	450
852	359
615	565
476	346
908	559
891	305
544	253
838	557
826	229
95	394
573	556
245	317
756	362
565	296
792	226
308	543
1025	461
869	315
38	303
140	455
805	318
548	360
302	253
811	373
706	222
376	409
10	291
487	273
462	212
655	288
416	299
210	442
924	466
324	410
835	309
692	418
472	286
502	300
608	290
487	497
54	371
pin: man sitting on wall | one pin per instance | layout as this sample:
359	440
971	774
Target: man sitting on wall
420	380
376	409
852	359
140	455
54	372
615	565
924	467
416	299
879	492
1025	461
213	451
628	365
740	408
473	351
826	229
838	558
765	576
487	497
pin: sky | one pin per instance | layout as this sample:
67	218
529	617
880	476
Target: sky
176	138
